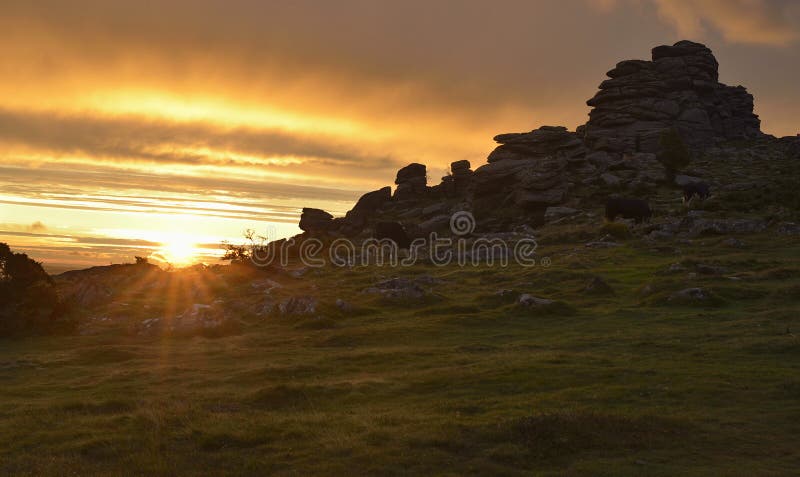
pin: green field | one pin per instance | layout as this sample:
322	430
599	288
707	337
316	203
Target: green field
460	382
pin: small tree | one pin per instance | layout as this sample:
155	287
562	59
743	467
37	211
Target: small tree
243	252
673	152
141	260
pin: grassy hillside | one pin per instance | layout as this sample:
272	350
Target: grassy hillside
460	381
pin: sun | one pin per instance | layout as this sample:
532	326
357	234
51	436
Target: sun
178	250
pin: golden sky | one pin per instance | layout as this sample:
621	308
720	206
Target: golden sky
127	125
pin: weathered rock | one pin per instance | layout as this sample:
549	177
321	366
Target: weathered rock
726	226
411	182
315	220
788	228
433	224
397	288
553	213
539	143
679	88
298	305
369	203
344	306
690	295
199	319
529	300
684	180
610	180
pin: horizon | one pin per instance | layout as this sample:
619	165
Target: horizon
163	132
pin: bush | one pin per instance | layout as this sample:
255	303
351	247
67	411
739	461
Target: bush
29	302
673	152
618	230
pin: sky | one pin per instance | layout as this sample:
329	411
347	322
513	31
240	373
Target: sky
161	128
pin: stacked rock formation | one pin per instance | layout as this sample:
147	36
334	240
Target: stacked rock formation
315	220
678	89
411	182
459	182
619	150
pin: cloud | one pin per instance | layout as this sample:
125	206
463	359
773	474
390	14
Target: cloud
37	226
760	22
174	142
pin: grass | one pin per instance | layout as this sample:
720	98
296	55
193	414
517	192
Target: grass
464	383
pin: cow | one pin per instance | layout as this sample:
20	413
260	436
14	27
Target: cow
635	209
393	231
700	189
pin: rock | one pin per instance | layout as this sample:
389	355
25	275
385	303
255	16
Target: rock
678	89
90	293
689	295
675	268
433	224
553	213
411	182
531	301
703	269
602	244
198	319
299	272
434	209
397	288
368	204
298	305
683	180
539	143
733	242
265	284
647	167
726	226
610	180
788	228
315	220
459	167
528	199
344	306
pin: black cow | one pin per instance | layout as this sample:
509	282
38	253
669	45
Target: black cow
393	231
700	189
635	209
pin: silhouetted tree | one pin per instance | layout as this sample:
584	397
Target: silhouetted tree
28	298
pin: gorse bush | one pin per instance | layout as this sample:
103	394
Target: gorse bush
673	152
28	299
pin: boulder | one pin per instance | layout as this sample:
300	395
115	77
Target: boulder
315	220
411	182
554	213
298	305
397	288
531	301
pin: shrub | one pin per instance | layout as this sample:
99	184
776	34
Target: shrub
618	230
28	299
673	152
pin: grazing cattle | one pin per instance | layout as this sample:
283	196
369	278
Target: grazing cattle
393	231
700	189
635	209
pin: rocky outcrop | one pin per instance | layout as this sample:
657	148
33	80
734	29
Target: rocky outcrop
459	182
411	182
645	122
679	88
315	220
